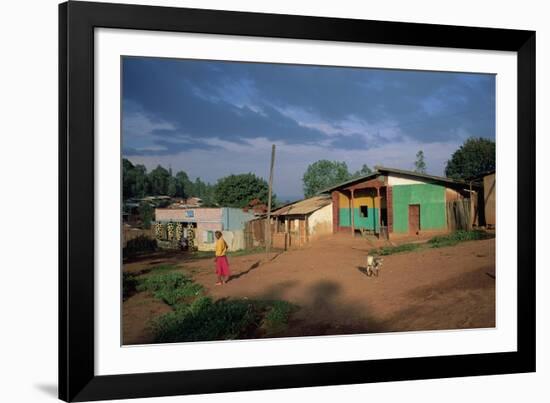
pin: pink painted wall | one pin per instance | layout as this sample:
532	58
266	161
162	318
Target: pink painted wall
200	214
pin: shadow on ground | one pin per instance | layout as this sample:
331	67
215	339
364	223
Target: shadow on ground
244	273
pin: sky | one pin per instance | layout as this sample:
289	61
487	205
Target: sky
215	118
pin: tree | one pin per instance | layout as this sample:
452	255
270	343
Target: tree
323	174
184	185
419	164
158	178
474	157
128	179
141	184
365	170
239	190
146	215
172	188
205	191
134	180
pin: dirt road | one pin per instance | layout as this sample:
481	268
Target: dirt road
445	288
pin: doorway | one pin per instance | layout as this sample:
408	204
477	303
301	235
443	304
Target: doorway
414	218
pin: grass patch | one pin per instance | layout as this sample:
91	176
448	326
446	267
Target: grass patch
390	250
457	237
224	319
277	316
163	268
196	317
172	288
203	320
435	242
202	254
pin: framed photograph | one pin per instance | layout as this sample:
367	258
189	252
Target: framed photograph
257	201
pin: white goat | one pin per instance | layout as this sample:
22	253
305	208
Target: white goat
373	265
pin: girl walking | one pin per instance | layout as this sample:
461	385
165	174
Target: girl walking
222	264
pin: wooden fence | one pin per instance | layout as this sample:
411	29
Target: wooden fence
459	215
254	234
131	233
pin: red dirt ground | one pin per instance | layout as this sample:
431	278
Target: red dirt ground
445	288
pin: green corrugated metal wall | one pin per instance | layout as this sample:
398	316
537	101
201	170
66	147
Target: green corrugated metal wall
369	222
431	199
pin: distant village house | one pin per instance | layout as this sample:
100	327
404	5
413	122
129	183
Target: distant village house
198	225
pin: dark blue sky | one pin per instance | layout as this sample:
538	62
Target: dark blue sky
213	118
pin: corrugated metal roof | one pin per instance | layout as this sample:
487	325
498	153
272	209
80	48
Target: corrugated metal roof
421	175
384	171
351	181
306	206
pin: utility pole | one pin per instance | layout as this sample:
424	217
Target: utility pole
268	221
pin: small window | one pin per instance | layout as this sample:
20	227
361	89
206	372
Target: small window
364	210
208	237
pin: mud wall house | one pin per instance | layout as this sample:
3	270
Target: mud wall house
200	224
393	202
298	223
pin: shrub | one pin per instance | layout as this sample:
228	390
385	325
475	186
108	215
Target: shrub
172	296
204	320
146	214
162	281
390	250
277	317
172	288
458	236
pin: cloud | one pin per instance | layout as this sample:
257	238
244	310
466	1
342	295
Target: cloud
139	125
292	159
214	118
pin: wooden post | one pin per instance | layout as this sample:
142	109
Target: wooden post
352	212
472	218
379	206
268	222
306	230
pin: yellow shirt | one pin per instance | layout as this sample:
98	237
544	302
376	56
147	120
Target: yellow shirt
221	247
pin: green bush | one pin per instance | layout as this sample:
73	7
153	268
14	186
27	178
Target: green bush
140	244
172	288
390	250
146	214
173	296
162	281
458	236
277	317
196	317
204	320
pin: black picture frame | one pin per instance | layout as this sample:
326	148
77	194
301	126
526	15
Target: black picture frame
77	21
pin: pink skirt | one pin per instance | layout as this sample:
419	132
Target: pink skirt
222	266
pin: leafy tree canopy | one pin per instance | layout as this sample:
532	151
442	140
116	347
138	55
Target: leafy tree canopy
419	164
323	174
365	170
239	190
159	178
134	180
146	213
474	157
184	186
